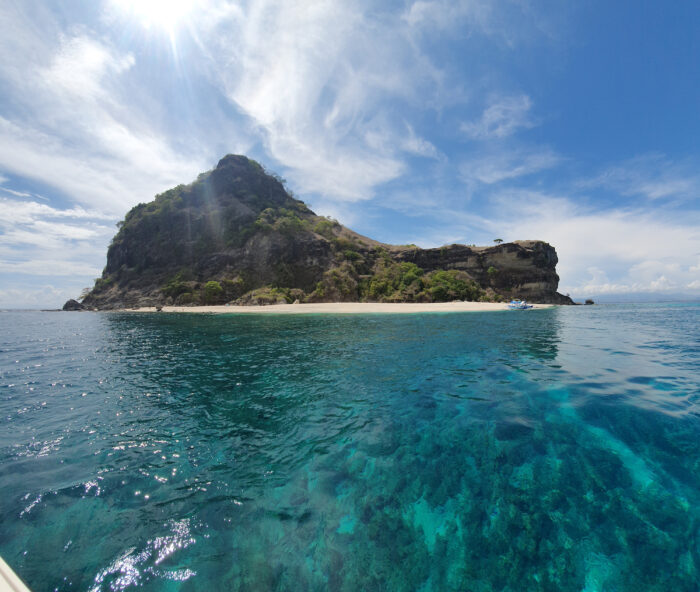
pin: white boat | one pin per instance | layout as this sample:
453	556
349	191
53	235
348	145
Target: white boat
519	305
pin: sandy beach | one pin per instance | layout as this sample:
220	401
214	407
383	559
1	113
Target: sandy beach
343	308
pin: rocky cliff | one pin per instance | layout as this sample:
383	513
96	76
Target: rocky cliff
236	235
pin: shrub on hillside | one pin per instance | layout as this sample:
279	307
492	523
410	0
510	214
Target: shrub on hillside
394	282
213	292
325	228
265	296
452	284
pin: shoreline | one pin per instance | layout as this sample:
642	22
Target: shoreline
340	308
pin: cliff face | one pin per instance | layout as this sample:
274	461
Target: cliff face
522	269
235	234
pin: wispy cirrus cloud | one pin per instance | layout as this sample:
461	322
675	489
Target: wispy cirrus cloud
68	121
25	212
94	179
324	92
321	96
316	92
446	14
508	22
8	191
652	176
509	164
79	67
413	144
502	118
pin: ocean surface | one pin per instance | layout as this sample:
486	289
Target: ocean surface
512	451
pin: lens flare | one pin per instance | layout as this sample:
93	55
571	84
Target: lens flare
165	14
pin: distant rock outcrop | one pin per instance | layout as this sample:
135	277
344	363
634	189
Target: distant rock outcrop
236	235
73	305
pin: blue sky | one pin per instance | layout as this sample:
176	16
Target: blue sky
422	121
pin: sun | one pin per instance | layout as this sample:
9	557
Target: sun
164	14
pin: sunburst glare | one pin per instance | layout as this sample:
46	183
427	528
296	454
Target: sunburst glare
164	14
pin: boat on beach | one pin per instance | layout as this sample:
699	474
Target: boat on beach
519	305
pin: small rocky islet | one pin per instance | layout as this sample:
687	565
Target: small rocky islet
236	235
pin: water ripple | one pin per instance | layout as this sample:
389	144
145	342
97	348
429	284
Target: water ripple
557	450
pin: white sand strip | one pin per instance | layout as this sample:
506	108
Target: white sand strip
345	308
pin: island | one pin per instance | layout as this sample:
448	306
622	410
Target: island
237	236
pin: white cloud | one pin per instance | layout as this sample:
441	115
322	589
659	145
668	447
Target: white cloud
502	166
652	176
39	240
384	138
502	118
313	77
79	66
446	14
506	22
315	80
16	193
74	127
54	268
642	250
414	144
23	212
92	178
601	251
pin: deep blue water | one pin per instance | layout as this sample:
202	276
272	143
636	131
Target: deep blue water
543	450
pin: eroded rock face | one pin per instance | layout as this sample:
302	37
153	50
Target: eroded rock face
237	225
522	269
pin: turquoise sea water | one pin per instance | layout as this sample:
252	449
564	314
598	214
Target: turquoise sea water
542	450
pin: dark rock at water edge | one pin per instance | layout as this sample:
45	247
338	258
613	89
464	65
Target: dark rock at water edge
72	305
236	235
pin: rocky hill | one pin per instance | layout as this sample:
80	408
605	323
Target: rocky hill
236	235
